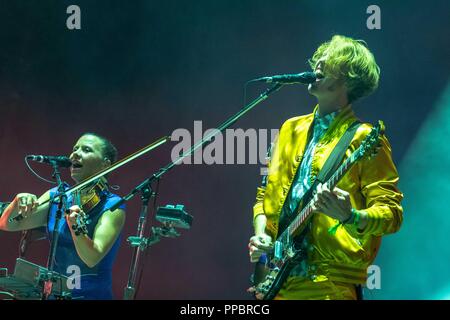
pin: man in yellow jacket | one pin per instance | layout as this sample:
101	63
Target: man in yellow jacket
366	201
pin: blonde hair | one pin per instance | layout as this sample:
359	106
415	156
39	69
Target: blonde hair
351	60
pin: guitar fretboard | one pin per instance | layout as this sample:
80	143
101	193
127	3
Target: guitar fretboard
307	210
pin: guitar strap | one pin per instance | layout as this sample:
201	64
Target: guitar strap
336	156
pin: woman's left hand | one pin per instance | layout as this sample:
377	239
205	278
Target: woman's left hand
75	213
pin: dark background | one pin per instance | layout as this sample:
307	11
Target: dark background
138	70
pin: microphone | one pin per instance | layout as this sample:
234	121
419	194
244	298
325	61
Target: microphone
61	161
303	78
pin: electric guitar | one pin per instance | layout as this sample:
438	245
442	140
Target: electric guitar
274	267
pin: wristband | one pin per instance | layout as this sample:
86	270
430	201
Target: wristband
353	219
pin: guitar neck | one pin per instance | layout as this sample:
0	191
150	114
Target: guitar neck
303	217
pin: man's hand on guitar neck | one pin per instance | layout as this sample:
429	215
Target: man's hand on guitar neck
336	204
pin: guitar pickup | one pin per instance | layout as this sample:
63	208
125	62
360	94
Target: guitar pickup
278	250
174	216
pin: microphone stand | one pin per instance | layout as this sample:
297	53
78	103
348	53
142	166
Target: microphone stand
139	243
62	206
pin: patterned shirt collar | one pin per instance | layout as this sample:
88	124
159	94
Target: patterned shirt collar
325	121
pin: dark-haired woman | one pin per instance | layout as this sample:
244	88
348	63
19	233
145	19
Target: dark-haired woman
87	259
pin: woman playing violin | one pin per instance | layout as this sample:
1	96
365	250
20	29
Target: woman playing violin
92	253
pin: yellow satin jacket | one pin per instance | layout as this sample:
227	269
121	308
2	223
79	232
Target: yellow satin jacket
372	184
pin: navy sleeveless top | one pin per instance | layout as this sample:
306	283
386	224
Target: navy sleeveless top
95	283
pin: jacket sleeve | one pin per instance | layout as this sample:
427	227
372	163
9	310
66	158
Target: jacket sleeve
378	182
258	207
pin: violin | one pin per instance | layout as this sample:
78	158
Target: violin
87	199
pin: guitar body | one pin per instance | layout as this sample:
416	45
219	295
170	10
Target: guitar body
273	268
268	278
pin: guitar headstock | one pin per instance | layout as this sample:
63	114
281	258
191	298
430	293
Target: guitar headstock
371	143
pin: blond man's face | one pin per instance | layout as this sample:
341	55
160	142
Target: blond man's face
326	86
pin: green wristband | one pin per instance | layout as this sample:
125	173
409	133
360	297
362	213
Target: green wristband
351	219
357	217
354	220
